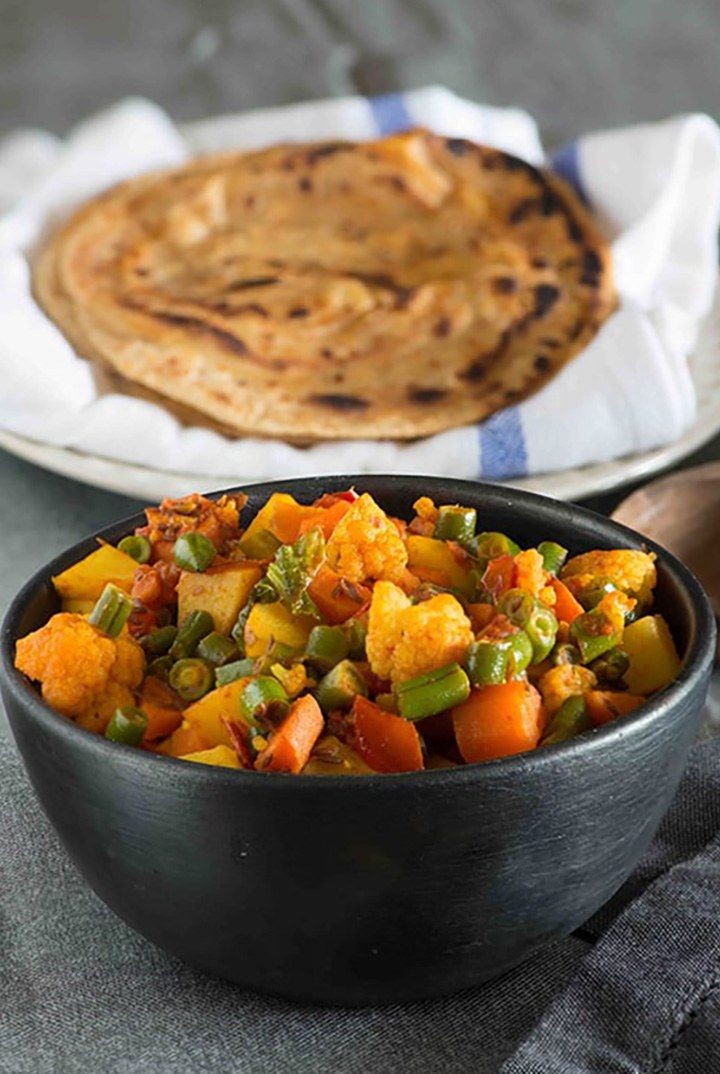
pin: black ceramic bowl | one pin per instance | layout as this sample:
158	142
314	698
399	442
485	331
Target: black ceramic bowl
372	889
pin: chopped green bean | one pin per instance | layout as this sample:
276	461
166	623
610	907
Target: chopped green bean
191	678
520	653
194	551
591	595
263	698
456	523
127	725
517	605
490	545
326	647
239	669
278	653
137	547
541	627
260	545
159	641
487	662
611	666
111	611
565	653
339	688
594	634
217	649
160	667
570	719
553	554
193	629
436	691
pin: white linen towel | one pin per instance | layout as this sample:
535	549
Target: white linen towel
655	189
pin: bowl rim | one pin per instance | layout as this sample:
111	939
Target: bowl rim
698	658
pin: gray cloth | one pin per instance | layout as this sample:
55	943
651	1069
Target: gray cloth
80	992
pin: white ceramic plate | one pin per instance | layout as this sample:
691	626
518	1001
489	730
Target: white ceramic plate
149	484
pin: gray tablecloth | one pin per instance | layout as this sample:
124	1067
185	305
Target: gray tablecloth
81	993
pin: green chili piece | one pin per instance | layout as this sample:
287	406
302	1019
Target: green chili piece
339	688
356	630
127	725
326	647
517	605
239	669
594	635
456	523
160	667
263	697
565	653
541	627
570	719
193	629
217	649
594	591
159	641
487	662
553	554
112	610
136	546
611	667
191	678
260	545
194	551
434	692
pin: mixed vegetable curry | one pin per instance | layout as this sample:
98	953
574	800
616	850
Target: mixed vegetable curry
334	639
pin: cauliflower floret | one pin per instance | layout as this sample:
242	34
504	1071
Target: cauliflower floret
366	544
633	572
616	606
530	573
564	681
384	626
83	673
405	640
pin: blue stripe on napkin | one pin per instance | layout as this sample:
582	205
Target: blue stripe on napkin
390	113
502	446
566	162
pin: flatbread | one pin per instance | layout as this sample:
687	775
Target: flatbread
386	289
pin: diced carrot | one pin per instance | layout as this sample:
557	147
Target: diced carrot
336	599
291	745
385	742
497	721
499	575
326	518
480	615
162	707
567	608
604	705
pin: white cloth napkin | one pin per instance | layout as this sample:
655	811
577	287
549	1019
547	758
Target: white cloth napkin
655	188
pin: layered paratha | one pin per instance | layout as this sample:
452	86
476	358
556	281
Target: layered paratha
384	289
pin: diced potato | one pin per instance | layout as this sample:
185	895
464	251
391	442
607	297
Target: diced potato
281	515
433	561
654	661
186	739
205	715
221	591
87	579
220	756
78	607
274	622
331	757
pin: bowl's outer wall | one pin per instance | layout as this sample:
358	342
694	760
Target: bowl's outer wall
354	891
